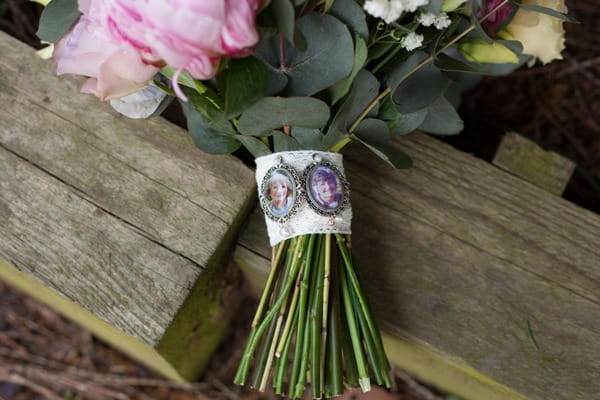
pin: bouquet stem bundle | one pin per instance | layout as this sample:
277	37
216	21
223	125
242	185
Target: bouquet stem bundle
313	326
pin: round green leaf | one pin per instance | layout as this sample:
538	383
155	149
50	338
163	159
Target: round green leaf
56	19
442	119
274	112
206	136
420	89
311	71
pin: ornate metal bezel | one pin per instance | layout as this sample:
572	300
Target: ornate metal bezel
297	195
314	203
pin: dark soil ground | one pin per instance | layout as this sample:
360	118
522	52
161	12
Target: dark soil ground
44	356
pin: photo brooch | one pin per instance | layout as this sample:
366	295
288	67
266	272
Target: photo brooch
280	192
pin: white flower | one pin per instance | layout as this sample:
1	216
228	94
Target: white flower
412	5
442	21
377	8
541	35
426	19
412	41
391	10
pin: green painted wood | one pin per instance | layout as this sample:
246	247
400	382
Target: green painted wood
458	258
529	161
124	218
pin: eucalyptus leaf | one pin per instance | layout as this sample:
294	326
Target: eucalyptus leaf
388	110
545	10
255	146
276	81
420	89
204	133
434	6
56	19
311	71
210	111
407	123
341	88
283	142
284	15
364	91
401	71
309	139
442	119
246	84
352	14
275	112
391	155
478	32
447	63
373	130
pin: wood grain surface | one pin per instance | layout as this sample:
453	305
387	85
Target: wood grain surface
126	218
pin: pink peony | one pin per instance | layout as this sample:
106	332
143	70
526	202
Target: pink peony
189	35
493	22
115	67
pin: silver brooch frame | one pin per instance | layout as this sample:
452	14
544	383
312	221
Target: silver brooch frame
327	190
271	189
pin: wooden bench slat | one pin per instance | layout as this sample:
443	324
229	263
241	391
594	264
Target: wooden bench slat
125	218
459	257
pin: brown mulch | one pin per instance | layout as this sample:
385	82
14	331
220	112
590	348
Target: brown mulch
42	355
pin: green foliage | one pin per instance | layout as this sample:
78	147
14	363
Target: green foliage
209	126
275	112
420	89
341	88
246	83
283	12
351	14
311	71
309	139
257	147
57	18
442	118
391	155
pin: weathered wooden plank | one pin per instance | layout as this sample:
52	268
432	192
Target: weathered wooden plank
529	161
458	257
126	219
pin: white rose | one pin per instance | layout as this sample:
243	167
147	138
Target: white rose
542	35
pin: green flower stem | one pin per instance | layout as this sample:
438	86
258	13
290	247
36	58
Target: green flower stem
347	353
269	360
365	310
302	307
265	344
290	312
370	346
334	351
275	350
306	341
361	366
316	322
275	262
263	352
282	361
325	311
242	372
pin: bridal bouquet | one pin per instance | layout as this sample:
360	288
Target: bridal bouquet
294	81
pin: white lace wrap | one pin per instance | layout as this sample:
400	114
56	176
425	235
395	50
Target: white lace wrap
304	219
